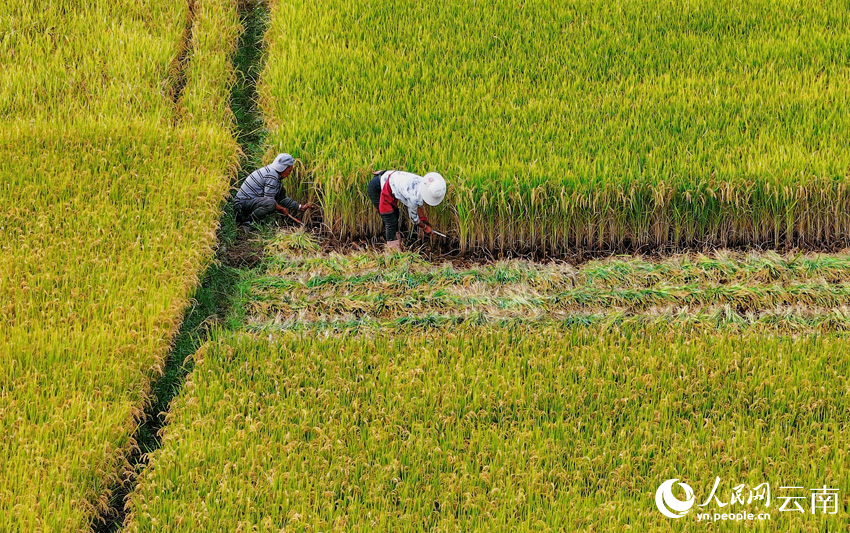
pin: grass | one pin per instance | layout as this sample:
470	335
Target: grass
108	216
580	125
249	61
494	429
212	302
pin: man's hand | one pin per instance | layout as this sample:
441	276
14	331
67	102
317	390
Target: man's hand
307	206
426	227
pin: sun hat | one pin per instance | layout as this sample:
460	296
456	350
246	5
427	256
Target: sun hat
433	188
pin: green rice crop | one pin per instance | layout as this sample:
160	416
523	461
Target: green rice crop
110	197
209	73
515	429
587	124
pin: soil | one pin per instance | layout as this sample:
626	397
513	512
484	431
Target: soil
245	252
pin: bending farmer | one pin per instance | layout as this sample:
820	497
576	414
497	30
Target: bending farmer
389	187
261	193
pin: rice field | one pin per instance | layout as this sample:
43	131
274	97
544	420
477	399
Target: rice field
117	159
351	390
70	58
573	125
362	391
501	429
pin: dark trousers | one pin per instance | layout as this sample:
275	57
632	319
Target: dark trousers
391	219
253	209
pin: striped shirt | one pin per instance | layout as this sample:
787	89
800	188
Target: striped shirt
264	181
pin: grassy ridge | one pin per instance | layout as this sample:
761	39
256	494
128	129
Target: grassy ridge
110	200
513	429
583	124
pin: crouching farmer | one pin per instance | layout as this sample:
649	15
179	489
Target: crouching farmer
389	187
261	193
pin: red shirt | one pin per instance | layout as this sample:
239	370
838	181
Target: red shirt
388	203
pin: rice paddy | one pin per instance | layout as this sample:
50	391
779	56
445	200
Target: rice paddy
347	389
573	125
111	195
363	391
507	429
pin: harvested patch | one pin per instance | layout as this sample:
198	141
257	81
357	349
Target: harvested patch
301	286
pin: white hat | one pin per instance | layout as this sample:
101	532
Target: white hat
433	188
282	162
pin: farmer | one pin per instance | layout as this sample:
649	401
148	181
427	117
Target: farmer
261	193
389	187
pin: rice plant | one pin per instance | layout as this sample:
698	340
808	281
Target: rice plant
564	125
300	286
111	195
512	429
67	58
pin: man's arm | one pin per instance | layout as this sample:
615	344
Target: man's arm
287	204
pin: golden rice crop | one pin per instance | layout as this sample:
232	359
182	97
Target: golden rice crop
110	200
561	125
515	429
64	58
209	73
